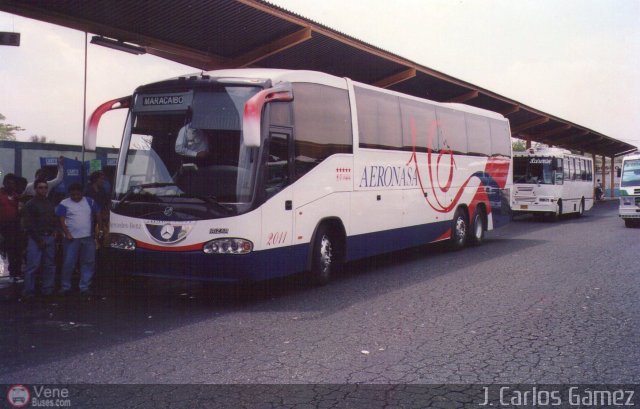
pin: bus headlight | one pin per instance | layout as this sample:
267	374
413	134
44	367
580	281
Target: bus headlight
121	241
228	246
627	201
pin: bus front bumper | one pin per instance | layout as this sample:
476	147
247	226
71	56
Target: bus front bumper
629	207
198	266
534	207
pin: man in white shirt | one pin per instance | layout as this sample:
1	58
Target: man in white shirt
78	215
192	142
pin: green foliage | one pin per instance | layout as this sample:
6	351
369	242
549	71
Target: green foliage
8	131
518	145
40	139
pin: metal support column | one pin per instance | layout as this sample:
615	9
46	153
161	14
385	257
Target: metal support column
611	169
604	182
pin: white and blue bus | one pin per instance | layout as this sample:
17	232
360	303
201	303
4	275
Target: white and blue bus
629	209
552	182
249	174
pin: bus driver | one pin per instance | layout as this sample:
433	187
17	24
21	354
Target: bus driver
192	142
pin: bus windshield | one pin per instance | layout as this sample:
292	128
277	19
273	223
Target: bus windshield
631	173
538	170
192	150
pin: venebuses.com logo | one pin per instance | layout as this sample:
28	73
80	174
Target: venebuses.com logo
20	396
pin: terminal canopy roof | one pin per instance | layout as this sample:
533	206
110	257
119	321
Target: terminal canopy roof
214	34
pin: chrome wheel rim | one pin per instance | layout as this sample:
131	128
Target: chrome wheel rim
325	254
461	229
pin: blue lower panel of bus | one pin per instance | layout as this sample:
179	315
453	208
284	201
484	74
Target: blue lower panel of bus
370	244
266	264
196	265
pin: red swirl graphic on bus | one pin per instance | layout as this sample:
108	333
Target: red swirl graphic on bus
435	195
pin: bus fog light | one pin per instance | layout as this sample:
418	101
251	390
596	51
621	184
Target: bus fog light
228	246
121	241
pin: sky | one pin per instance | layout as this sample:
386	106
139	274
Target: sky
575	59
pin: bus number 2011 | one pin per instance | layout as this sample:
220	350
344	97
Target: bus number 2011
277	238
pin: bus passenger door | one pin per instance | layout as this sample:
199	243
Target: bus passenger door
277	211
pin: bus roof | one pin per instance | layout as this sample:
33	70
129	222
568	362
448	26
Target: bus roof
276	75
554	152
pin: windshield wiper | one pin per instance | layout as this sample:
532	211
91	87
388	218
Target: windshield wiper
211	201
137	189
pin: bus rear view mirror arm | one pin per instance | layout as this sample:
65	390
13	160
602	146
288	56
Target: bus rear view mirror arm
253	112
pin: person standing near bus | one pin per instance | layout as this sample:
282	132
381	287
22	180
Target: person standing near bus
77	215
97	191
41	226
10	224
29	191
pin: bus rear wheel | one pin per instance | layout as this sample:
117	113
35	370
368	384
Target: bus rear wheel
325	260
459	230
477	227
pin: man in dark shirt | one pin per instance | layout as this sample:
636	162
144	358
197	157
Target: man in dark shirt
10	224
41	226
97	191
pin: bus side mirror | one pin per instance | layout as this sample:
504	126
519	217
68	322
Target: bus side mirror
618	171
252	115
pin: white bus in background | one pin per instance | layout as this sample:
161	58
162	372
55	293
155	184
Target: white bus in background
629	208
552	181
301	171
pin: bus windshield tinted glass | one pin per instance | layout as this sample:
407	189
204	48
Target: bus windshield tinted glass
539	170
191	153
631	173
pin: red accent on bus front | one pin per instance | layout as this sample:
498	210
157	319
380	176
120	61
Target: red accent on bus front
149	246
92	125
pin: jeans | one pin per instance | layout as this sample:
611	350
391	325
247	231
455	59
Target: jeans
83	249
43	258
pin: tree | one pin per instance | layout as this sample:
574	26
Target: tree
518	145
7	131
40	139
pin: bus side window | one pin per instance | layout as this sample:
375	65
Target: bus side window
567	169
558	171
278	169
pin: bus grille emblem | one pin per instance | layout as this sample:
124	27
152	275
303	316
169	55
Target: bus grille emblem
168	211
168	233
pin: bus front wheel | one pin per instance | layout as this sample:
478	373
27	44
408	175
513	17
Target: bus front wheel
459	230
324	255
556	215
581	208
477	227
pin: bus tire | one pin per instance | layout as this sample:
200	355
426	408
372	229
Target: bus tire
558	213
324	255
459	230
629	223
476	236
581	208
